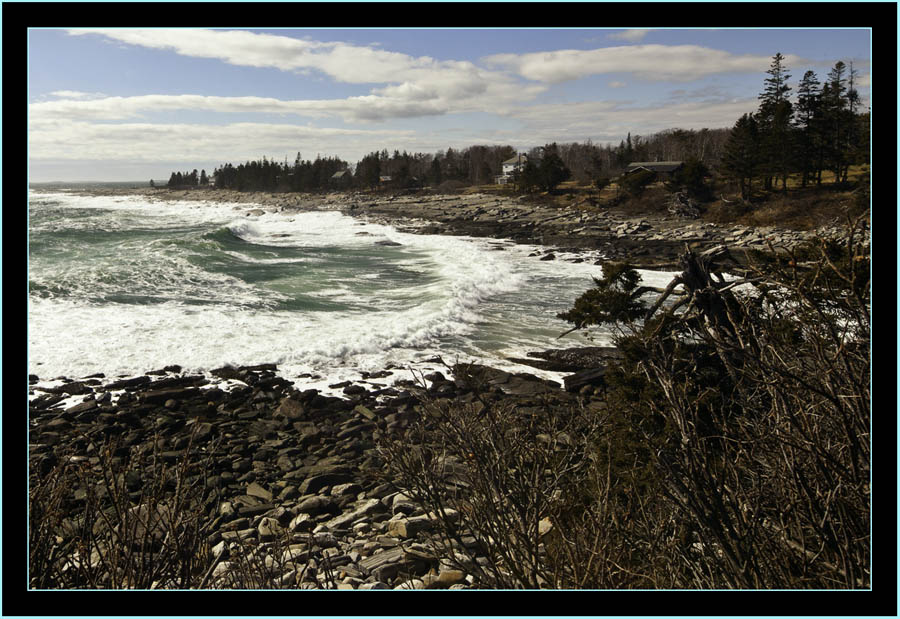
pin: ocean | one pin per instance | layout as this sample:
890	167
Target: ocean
122	285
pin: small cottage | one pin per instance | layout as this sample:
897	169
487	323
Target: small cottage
663	169
341	179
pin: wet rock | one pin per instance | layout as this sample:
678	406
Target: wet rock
591	377
89	405
161	396
127	383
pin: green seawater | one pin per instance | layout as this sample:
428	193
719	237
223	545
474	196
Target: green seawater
121	284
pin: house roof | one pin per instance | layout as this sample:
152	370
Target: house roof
340	173
655	166
516	159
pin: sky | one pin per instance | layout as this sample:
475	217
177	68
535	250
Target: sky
135	104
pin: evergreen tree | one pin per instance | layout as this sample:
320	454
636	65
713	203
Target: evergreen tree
808	106
551	170
774	121
435	174
741	159
691	178
854	154
836	121
528	178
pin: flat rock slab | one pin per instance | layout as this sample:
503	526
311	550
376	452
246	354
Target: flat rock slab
161	396
312	485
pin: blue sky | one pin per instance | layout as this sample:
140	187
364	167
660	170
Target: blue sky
132	104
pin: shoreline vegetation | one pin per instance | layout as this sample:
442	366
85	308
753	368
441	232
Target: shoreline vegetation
723	443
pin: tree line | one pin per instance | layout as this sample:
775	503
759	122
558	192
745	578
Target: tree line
823	130
181	180
475	165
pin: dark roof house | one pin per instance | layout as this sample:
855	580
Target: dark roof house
341	178
665	168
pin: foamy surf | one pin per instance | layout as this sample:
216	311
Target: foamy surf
123	286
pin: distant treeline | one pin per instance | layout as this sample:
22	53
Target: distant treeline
474	165
823	130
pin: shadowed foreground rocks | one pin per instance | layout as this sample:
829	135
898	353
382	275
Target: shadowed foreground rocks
292	478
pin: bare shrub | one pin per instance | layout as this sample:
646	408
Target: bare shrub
88	527
515	490
729	449
755	405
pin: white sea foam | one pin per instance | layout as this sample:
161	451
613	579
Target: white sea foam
427	296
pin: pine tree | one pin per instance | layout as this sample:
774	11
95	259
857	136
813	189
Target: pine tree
551	170
528	178
436	178
774	119
853	126
806	120
741	159
837	120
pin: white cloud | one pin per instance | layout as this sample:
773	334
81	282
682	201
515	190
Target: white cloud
127	108
413	86
76	94
232	46
678	63
610	120
407	100
632	36
149	142
616	84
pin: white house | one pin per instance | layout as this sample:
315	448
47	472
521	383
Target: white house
510	167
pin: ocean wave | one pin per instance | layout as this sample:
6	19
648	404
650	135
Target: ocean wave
209	287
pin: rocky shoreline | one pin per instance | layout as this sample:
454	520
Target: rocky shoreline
295	476
647	241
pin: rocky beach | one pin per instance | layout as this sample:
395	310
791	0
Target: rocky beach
652	241
294	475
294	478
